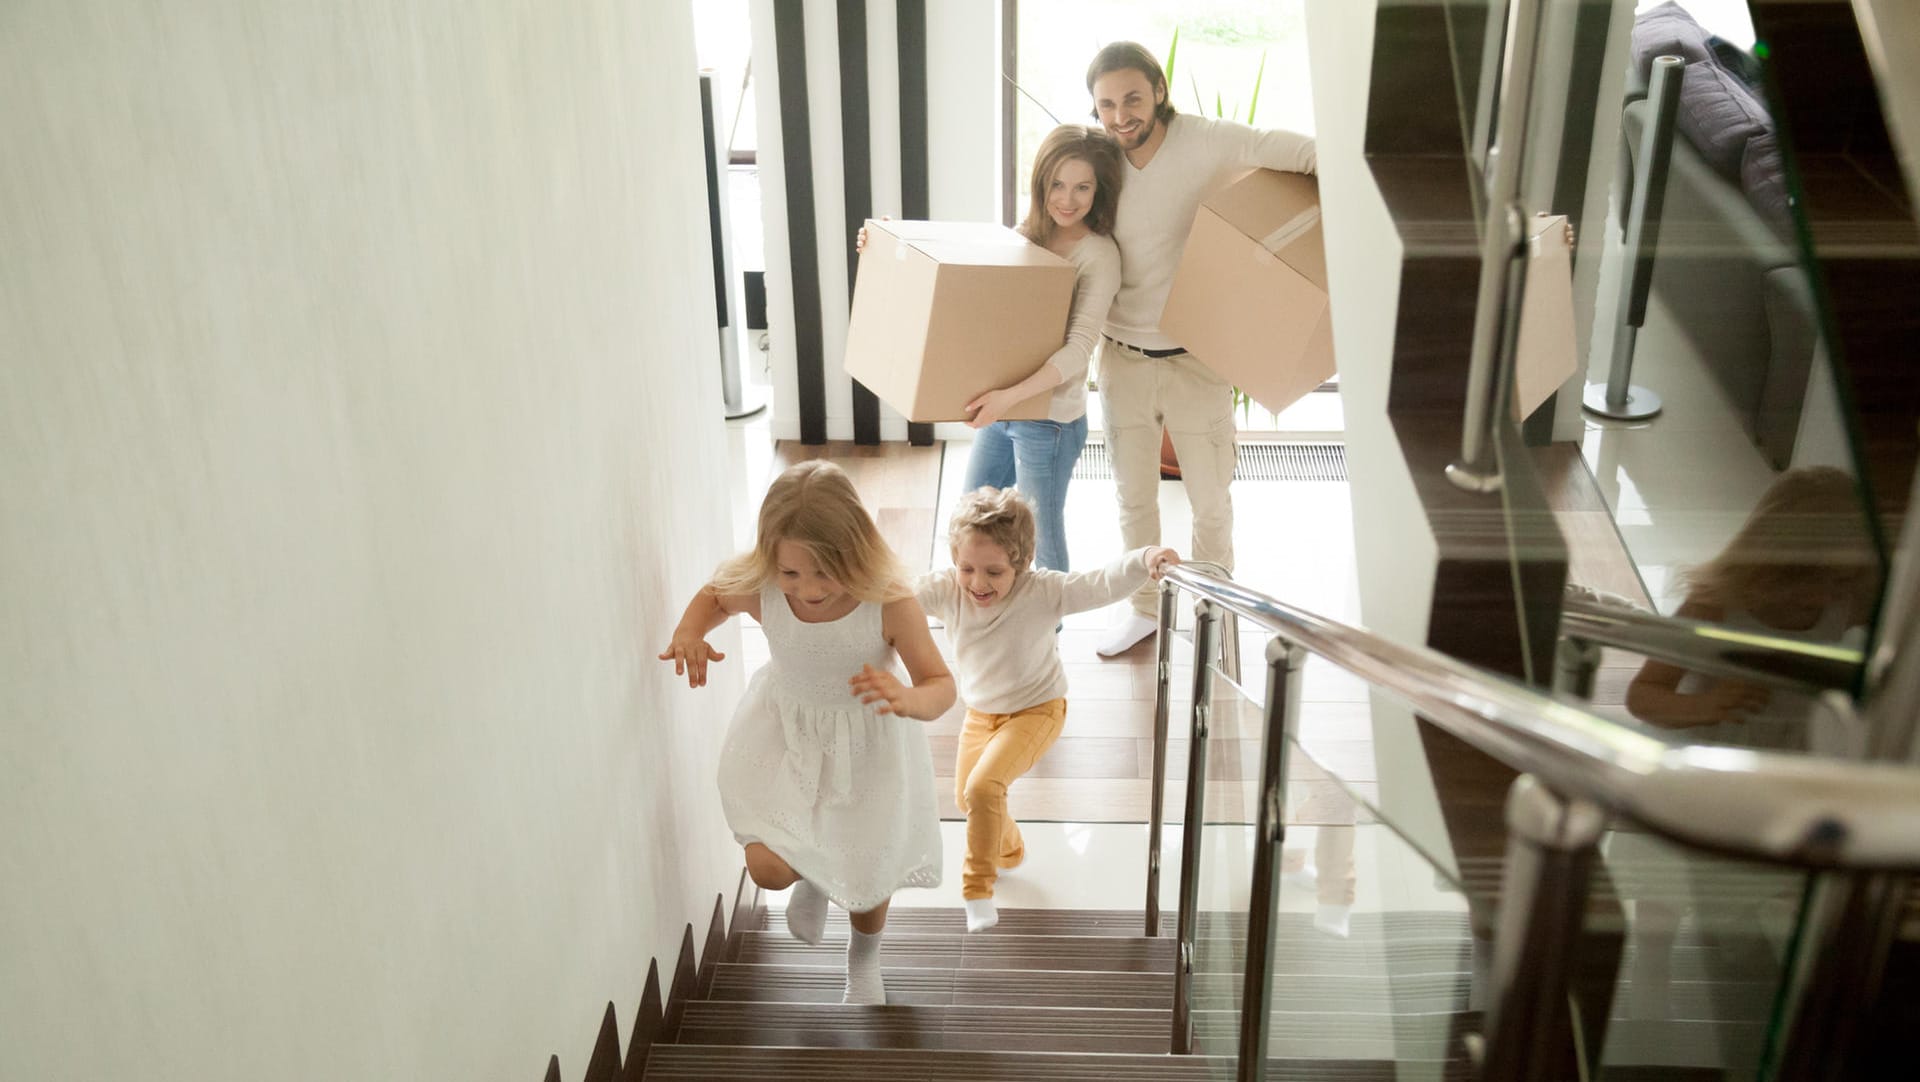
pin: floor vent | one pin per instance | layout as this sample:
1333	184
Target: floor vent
1257	462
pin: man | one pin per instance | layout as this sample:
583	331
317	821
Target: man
1146	380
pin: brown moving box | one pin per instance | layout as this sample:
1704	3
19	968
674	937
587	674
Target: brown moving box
945	311
1544	357
1249	299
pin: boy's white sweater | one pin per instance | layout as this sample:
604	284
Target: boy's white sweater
1006	657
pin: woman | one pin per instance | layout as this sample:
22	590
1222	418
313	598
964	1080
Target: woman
1075	191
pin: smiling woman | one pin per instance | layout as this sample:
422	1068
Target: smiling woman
1075	193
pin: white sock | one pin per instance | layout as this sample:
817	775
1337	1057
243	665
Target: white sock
982	914
863	969
807	912
1332	919
1133	629
1306	877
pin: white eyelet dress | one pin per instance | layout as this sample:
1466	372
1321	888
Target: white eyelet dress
841	793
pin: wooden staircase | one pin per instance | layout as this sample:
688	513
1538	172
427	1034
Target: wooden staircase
1075	994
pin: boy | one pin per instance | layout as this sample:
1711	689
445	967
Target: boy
1001	615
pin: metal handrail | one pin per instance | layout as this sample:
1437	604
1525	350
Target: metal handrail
1577	771
1503	256
1764	806
1761	657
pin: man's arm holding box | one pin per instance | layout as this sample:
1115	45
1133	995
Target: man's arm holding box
1275	148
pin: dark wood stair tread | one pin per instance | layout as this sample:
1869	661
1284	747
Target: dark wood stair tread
1370	992
1330	1034
714	1063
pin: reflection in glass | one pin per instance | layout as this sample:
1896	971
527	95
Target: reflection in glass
1801	564
1741	504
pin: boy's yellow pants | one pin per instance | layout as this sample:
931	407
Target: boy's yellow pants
994	750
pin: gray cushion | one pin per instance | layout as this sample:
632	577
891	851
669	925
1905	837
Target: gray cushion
1763	177
1717	113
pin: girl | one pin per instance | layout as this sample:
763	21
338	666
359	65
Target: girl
1802	564
1075	190
1000	615
822	781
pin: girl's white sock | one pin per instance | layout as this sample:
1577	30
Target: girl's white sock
863	969
806	912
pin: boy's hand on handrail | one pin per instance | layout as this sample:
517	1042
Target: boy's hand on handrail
1159	559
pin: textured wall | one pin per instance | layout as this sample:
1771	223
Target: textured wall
1394	550
358	434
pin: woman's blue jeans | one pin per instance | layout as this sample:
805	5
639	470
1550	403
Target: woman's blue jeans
1037	457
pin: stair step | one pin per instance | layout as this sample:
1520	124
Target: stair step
1310	954
960	951
1123	922
1323	1034
978	1028
1373	993
718	1063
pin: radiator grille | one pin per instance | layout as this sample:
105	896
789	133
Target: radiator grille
1256	462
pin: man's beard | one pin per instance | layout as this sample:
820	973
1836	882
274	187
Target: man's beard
1146	132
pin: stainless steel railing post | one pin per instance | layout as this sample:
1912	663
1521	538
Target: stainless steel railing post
1206	623
1543	903
1282	715
1575	663
1162	690
1502	255
1618	398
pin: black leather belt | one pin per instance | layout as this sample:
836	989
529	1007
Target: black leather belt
1156	354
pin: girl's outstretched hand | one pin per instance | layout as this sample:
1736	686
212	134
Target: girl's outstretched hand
690	654
879	689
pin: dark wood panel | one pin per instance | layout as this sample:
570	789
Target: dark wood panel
604	1066
856	156
649	1025
796	156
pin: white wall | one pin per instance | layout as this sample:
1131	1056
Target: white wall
343	348
1394	550
963	110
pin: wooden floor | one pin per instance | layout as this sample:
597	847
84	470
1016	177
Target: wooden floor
1101	768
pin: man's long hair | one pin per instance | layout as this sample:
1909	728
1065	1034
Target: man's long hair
1126	54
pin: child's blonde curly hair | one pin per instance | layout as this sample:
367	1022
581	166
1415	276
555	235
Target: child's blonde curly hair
814	505
1002	516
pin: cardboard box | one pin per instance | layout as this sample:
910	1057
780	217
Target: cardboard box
1249	299
946	311
1544	356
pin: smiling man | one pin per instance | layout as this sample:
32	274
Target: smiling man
1147	381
